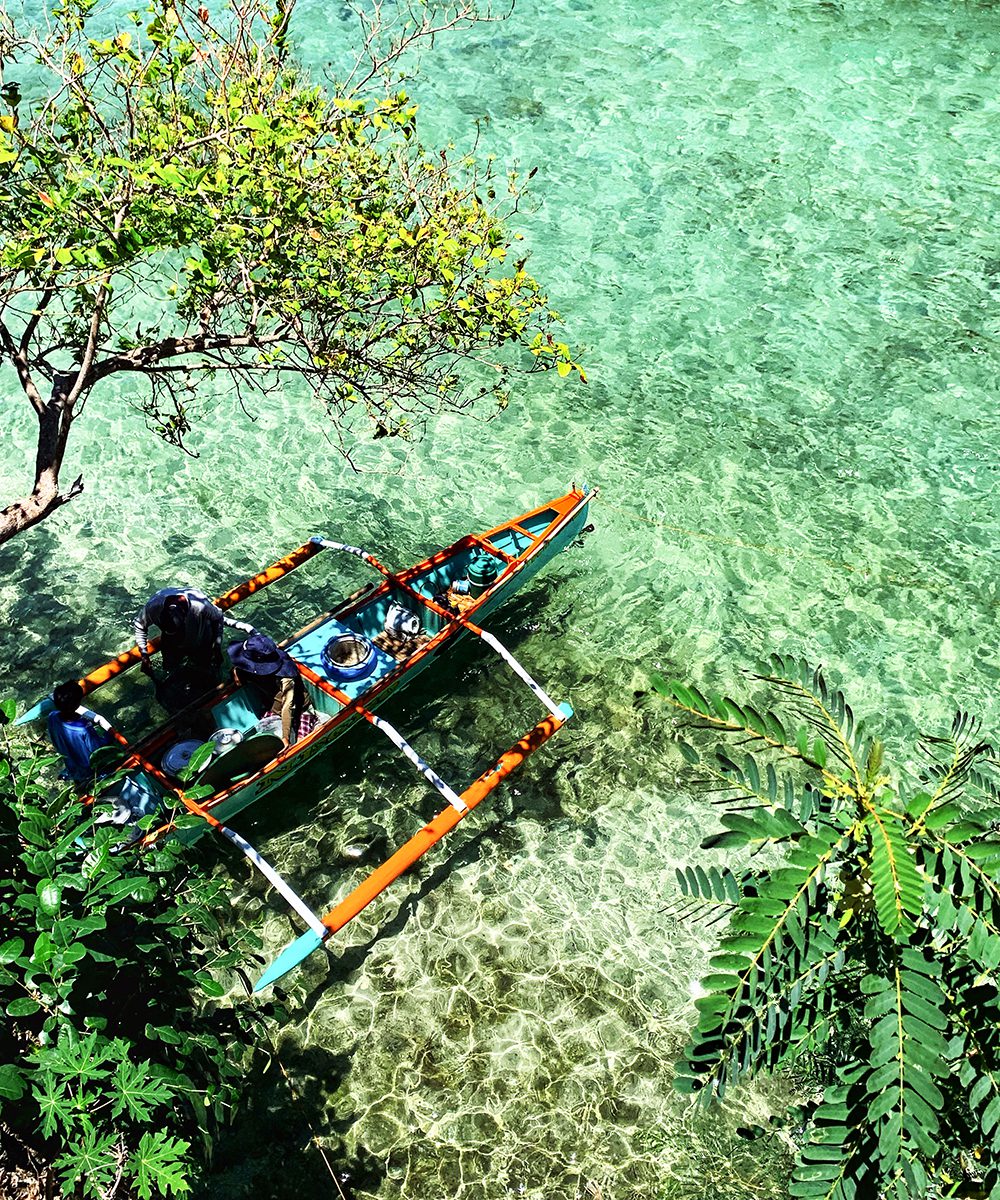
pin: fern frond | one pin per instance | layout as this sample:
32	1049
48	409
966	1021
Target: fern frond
908	1056
969	874
826	1167
721	886
766	1029
875	943
726	716
709	895
898	888
825	709
977	1119
781	942
952	759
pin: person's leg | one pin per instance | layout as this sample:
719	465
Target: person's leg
171	653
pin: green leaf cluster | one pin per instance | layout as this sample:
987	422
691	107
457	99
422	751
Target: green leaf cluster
114	1063
279	226
868	941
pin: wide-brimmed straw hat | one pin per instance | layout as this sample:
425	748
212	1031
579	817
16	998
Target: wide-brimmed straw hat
261	655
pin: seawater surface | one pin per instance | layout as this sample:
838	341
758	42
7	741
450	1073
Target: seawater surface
774	228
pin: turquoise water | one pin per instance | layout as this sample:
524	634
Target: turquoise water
774	229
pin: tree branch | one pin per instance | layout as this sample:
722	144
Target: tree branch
144	357
21	366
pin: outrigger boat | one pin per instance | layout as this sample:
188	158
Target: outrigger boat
351	659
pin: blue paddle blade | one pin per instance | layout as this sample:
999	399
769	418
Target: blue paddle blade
289	959
41	709
566	710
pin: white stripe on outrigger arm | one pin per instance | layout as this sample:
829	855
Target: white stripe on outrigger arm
269	873
328	545
198	810
516	667
428	772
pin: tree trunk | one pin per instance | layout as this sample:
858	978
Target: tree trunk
54	422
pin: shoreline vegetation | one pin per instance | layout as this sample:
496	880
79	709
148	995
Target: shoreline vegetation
118	1068
868	942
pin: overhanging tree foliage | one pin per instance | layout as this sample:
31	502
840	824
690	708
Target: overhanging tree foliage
177	198
866	938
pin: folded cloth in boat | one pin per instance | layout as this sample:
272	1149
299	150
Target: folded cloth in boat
260	655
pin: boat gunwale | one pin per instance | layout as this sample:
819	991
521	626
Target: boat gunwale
566	507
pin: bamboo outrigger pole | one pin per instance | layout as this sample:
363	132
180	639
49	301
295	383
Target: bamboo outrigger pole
418	845
275	571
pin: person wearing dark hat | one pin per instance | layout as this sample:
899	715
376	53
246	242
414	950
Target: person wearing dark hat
274	682
75	732
190	628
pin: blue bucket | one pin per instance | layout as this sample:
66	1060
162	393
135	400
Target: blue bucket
349	656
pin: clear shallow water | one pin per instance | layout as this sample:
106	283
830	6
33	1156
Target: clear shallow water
774	227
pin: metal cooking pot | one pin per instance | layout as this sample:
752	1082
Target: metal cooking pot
225	739
177	756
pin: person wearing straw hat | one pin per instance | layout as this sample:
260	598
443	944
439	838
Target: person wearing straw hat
274	682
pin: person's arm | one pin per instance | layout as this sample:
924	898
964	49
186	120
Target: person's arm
234	624
141	626
148	615
285	705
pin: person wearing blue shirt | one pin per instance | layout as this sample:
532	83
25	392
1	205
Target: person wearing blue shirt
74	732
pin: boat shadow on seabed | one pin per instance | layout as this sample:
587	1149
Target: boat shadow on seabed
285	1125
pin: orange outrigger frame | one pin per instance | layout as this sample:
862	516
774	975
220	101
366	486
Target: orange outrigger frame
458	806
415	847
321	928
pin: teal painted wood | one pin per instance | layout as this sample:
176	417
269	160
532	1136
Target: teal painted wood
388	677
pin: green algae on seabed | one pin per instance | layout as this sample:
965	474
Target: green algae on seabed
775	227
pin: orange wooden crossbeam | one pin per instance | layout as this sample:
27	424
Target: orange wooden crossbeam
443	823
129	658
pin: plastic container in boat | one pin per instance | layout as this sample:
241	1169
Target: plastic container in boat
349	656
270	724
483	570
177	756
400	622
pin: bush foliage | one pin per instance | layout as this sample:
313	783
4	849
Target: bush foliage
865	939
179	199
116	1064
